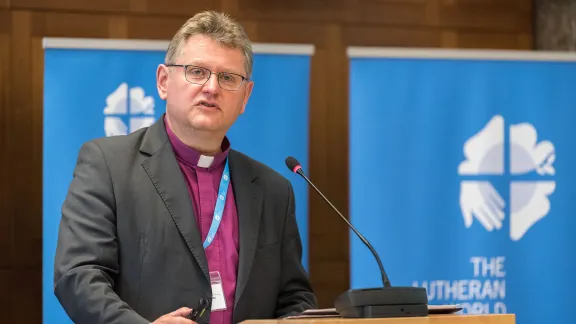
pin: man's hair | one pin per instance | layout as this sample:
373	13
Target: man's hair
220	27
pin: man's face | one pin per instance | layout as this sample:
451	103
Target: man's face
205	107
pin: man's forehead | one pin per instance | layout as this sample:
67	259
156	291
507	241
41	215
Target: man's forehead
203	42
211	49
226	61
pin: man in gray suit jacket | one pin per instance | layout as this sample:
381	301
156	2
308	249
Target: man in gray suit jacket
169	214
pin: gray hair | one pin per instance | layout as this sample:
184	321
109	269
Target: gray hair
220	27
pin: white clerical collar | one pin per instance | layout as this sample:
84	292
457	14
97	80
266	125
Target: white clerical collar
205	161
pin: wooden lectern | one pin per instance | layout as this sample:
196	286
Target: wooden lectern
431	319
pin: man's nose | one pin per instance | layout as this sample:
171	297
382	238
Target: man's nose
211	86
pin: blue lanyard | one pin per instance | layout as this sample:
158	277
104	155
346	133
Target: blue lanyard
219	209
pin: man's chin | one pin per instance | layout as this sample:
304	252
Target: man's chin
203	125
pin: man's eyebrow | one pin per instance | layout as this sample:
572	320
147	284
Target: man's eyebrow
221	69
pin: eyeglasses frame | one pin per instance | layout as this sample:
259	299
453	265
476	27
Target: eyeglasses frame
185	66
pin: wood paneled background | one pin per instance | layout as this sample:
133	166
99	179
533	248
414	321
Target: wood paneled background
330	25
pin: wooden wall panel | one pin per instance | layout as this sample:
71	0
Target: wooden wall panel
164	27
70	24
5	282
392	36
329	166
20	295
232	7
25	173
138	6
286	32
117	26
6	279
73	5
330	25
6	220
391	12
179	7
464	39
295	10
498	15
36	90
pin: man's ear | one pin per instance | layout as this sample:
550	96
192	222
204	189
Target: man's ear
249	87
162	74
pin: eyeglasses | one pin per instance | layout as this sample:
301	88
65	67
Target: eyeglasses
199	75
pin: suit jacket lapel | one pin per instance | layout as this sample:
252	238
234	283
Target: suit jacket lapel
164	172
249	197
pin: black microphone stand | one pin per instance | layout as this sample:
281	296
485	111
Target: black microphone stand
373	302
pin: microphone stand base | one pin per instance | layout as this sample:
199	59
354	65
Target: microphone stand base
383	302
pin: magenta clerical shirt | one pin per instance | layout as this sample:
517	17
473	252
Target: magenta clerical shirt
202	174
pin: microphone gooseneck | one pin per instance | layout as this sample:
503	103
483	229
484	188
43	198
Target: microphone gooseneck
295	167
380	302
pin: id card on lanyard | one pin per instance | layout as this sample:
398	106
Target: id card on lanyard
218	300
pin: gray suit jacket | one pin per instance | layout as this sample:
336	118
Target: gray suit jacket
129	249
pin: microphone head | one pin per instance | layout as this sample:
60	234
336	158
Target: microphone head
293	164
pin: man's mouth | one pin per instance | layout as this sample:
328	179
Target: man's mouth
208	104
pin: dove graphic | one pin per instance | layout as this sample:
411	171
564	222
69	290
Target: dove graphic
117	120
484	153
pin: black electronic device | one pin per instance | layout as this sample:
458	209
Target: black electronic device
199	310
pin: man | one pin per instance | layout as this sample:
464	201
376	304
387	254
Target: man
156	220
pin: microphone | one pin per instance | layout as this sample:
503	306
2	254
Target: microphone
295	166
372	302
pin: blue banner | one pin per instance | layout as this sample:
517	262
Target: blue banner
96	88
455	179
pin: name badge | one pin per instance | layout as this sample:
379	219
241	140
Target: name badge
218	300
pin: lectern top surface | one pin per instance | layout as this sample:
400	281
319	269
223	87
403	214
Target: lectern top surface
431	319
